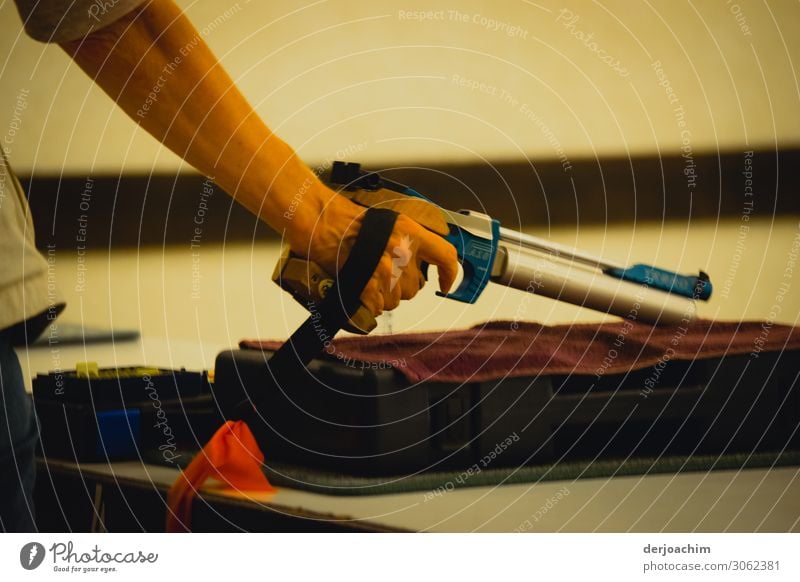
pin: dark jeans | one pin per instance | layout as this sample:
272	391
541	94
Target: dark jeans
18	437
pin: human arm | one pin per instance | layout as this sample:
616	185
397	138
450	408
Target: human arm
200	115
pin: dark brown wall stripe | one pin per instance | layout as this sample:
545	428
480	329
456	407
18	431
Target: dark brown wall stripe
130	210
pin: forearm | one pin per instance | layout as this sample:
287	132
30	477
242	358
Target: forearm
158	69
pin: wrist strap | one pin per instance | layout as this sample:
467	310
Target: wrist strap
288	364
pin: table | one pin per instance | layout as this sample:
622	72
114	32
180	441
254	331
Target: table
189	307
129	496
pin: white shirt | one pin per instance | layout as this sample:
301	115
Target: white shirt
63	20
27	278
27	281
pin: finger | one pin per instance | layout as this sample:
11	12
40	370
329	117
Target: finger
435	250
411	281
396	295
402	263
391	284
410	284
372	298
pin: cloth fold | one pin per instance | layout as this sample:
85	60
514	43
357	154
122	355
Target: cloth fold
501	349
232	456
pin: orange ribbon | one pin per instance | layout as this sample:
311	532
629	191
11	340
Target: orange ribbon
232	456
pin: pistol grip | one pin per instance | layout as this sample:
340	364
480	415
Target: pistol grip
308	283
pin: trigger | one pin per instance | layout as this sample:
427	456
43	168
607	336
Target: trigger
423	267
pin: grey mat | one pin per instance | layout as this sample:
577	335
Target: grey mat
332	483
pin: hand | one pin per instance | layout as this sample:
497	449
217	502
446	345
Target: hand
398	275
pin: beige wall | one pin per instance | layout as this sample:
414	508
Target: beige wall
216	295
364	76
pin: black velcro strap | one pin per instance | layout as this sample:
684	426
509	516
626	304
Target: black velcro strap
327	319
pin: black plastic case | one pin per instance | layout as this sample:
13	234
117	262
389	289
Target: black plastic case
120	413
372	421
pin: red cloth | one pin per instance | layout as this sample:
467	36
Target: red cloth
503	348
232	456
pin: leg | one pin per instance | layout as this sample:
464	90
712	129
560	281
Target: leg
18	437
